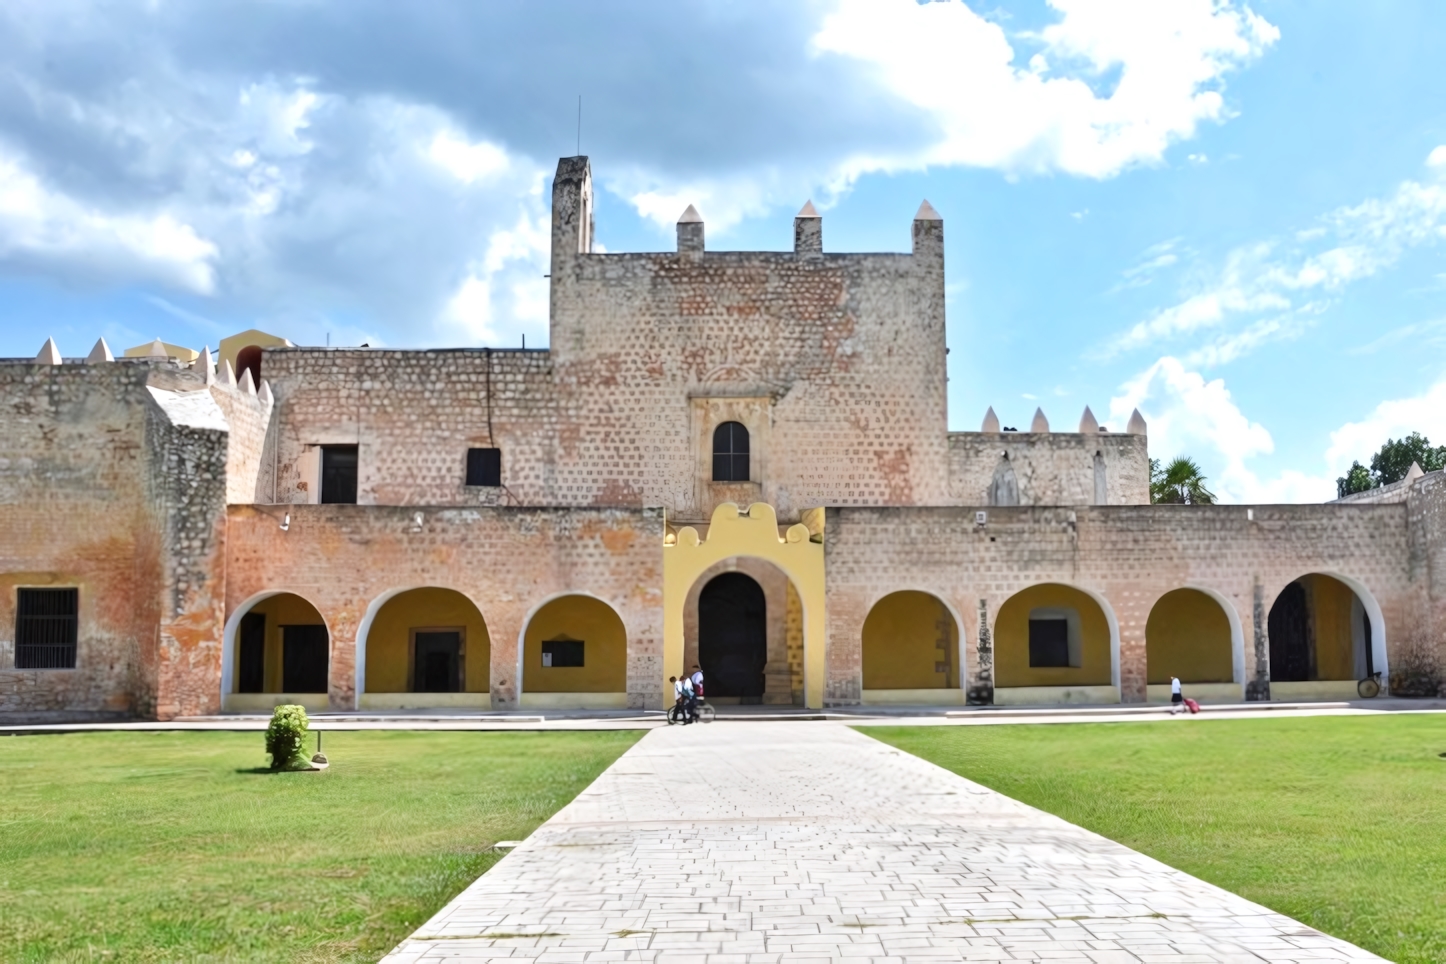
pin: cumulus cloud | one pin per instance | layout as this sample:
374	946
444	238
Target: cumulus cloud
1188	414
378	169
1293	281
1108	85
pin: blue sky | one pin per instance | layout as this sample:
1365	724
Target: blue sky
1230	216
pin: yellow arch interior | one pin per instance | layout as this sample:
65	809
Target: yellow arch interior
910	642
389	642
605	648
1188	636
1011	639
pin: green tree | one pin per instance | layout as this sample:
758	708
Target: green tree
1357	479
1392	463
1179	483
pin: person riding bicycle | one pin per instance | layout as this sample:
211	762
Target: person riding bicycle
697	679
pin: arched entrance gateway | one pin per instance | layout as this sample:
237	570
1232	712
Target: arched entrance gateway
420	648
746	604
1195	637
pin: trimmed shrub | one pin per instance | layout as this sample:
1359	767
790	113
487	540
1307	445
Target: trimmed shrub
286	738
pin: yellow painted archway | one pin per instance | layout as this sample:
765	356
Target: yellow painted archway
754	532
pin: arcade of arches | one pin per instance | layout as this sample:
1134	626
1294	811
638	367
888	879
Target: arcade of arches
575	655
910	650
282	655
431	642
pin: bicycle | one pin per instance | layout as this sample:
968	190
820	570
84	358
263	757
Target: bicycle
706	713
1370	687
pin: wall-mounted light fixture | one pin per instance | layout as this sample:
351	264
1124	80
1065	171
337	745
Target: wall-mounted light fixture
286	523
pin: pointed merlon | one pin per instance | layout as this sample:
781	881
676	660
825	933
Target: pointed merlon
1414	473
158	350
1040	423
1088	425
205	367
264	396
991	422
100	353
49	354
927	213
247	385
690	216
226	376
808	211
1137	424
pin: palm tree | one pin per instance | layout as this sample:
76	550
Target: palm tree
1179	483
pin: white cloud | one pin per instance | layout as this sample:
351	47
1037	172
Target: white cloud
45	227
1293	282
506	282
1170	59
467	161
1188	415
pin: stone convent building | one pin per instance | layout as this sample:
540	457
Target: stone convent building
738	459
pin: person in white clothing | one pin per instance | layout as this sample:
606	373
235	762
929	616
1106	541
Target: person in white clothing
697	679
690	700
1177	699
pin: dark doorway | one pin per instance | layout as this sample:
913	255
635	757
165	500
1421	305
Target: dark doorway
251	654
248	359
733	637
303	659
1289	633
438	666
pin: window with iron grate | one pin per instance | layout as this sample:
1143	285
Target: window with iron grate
730	453
46	624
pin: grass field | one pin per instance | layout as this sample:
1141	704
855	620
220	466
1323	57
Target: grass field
167	847
1339	822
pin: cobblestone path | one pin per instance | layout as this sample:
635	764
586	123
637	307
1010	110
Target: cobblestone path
793	842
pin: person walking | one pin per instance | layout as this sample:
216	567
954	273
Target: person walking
690	700
1177	699
678	704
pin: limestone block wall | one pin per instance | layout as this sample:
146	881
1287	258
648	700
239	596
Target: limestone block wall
1051	468
248	457
834	363
1126	556
413	415
508	561
1426	508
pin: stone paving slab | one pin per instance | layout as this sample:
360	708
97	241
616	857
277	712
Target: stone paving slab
788	843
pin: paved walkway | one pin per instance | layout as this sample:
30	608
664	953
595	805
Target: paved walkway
781	842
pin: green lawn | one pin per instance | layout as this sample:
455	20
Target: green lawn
167	847
1339	822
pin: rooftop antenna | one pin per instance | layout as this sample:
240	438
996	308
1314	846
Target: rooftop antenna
579	125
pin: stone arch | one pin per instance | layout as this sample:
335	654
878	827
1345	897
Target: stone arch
783	628
287	641
1195	635
410	639
572	626
910	650
1325	631
1004	487
1056	643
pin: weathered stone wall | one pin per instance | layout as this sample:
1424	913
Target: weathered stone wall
1051	468
1127	556
189	460
508	561
413	415
248	416
77	508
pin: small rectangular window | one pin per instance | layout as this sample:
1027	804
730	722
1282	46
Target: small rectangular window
1049	642
562	652
484	466
338	474
46	627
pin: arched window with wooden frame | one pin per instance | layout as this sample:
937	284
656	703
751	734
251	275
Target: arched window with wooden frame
730	453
